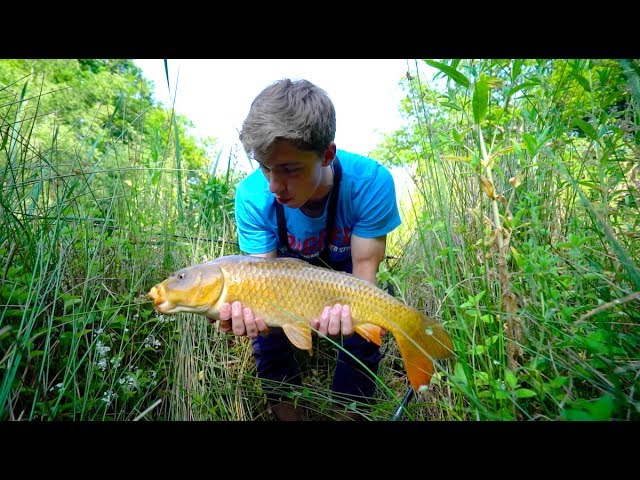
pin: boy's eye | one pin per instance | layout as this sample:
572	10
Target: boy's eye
282	169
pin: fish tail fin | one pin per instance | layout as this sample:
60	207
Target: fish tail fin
419	345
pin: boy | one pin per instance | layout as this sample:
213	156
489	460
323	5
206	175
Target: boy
310	201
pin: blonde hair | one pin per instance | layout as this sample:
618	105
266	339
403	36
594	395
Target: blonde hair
296	111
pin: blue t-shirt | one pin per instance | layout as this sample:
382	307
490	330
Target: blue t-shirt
366	208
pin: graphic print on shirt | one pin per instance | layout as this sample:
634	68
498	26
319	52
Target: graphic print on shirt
310	247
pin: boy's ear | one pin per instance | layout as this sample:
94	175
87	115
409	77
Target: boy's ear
329	154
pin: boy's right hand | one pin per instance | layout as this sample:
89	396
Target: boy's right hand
233	317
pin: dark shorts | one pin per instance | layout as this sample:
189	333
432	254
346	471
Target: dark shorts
277	365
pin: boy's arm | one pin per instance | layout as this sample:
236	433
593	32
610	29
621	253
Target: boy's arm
367	254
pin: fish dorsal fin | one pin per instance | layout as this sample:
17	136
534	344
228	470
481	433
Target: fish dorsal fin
370	332
299	333
236	258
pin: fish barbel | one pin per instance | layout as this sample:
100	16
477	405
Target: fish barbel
290	293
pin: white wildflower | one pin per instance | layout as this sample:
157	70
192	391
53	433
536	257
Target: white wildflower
129	381
108	396
102	348
152	342
163	319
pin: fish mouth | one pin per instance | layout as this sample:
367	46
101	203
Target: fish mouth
157	294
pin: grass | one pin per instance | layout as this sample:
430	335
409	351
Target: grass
522	249
519	237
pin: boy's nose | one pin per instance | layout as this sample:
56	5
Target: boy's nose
275	185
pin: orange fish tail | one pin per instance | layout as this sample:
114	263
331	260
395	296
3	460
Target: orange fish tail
421	341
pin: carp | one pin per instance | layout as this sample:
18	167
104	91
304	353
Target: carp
289	293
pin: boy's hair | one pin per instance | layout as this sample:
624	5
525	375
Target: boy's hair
296	111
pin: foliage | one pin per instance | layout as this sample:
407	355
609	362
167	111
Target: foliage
89	210
526	203
520	237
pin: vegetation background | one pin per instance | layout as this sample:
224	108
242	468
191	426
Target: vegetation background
521	237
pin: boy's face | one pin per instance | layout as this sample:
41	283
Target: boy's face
297	176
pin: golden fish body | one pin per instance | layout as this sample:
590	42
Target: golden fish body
290	293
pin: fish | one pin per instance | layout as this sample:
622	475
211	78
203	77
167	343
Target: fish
289	293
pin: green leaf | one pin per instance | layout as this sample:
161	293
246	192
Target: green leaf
502	395
487	318
478	297
601	409
481	378
480	100
525	393
71	302
451	72
586	128
521	86
593	185
590	276
517	147
582	81
531	143
451	105
478	350
510	379
459	374
576	415
517	66
494	82
5	138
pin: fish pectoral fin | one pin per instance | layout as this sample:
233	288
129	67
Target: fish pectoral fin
299	333
370	332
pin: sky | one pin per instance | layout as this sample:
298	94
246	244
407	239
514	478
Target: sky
216	94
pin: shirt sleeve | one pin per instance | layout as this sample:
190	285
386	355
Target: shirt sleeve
253	234
375	202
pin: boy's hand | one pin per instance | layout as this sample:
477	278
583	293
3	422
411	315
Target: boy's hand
334	320
233	317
